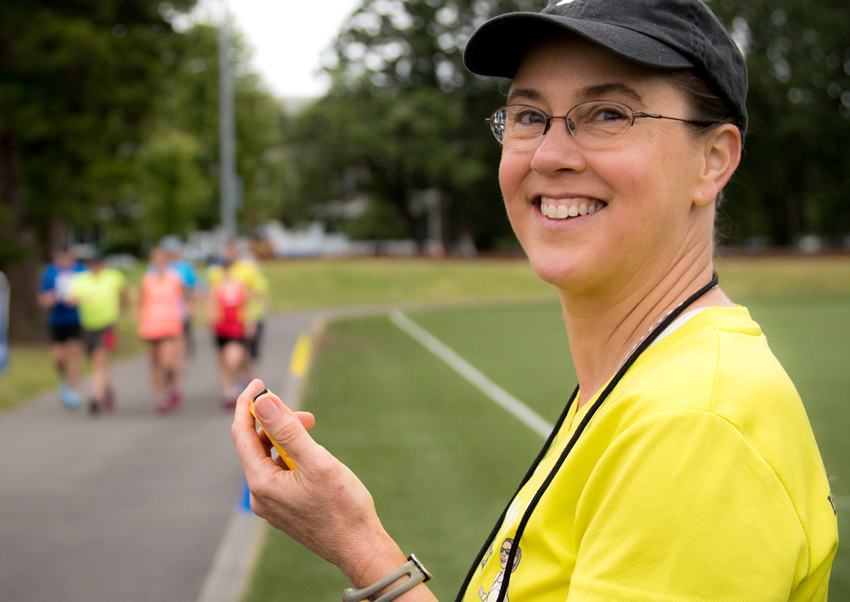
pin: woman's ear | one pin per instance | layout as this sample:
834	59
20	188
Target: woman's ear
722	153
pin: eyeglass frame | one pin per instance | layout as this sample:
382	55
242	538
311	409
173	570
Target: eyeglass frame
490	121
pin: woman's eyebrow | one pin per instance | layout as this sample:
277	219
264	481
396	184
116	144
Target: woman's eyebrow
594	92
588	93
523	94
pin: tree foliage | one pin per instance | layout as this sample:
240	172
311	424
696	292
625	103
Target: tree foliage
179	187
109	128
78	81
796	170
397	64
403	117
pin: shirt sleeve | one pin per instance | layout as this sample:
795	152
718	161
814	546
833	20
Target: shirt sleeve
48	278
681	507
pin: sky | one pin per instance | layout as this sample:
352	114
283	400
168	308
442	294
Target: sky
288	38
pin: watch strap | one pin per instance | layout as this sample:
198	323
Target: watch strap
414	570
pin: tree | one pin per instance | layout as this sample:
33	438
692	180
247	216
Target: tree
396	64
403	116
796	172
177	190
77	85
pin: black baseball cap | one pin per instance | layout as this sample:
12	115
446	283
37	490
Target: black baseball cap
668	34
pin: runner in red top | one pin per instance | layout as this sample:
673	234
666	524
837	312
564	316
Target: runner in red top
228	316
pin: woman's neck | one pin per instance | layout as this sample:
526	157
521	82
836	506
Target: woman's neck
603	330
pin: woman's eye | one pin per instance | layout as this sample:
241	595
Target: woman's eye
527	117
604	114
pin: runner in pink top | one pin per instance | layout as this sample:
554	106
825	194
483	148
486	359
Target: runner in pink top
160	318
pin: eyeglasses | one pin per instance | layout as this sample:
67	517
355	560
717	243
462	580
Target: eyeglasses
593	124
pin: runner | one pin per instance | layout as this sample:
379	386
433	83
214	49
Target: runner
99	295
258	306
63	322
160	320
189	277
245	270
228	317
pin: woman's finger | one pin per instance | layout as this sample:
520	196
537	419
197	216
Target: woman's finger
284	426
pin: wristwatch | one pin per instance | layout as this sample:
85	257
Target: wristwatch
414	570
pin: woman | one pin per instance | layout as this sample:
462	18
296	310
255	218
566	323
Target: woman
227	313
159	316
684	467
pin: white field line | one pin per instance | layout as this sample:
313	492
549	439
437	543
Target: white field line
470	373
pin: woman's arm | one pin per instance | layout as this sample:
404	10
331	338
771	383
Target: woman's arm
321	504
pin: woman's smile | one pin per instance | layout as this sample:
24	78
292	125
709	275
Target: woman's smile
565	209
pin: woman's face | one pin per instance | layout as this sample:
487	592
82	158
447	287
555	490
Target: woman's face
634	198
158	258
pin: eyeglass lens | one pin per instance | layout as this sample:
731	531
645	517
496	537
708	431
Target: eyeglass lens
592	123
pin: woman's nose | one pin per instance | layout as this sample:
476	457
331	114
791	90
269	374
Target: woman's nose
558	150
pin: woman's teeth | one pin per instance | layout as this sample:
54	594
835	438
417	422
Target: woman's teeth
561	211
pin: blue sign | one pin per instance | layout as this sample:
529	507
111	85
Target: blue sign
4	322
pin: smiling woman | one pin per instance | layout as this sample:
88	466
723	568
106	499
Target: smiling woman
668	475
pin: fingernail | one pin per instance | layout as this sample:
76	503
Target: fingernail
267	408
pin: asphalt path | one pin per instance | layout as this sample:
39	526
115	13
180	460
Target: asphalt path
130	506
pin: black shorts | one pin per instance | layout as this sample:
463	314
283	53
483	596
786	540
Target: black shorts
65	333
221	341
253	343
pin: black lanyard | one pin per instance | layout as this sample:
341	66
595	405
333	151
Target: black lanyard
647	341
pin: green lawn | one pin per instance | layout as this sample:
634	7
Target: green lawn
422	438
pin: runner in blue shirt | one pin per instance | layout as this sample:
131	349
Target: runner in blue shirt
63	323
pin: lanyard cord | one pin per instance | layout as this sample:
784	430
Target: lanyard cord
642	346
525	479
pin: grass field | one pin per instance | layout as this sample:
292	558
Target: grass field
432	448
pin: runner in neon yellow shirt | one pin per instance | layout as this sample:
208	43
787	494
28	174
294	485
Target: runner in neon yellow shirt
99	293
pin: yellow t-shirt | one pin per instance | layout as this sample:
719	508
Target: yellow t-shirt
98	297
698	478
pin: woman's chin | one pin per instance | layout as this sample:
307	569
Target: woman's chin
555	269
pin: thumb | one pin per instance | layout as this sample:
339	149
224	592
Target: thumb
282	425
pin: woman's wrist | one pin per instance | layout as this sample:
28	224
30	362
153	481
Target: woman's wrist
373	559
392	586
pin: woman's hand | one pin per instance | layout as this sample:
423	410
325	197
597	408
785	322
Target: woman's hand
321	504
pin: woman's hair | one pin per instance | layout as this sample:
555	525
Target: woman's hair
706	104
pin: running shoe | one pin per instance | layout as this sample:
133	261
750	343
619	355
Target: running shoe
109	400
163	406
69	398
94	407
175	398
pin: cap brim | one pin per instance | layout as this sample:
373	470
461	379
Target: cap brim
497	47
